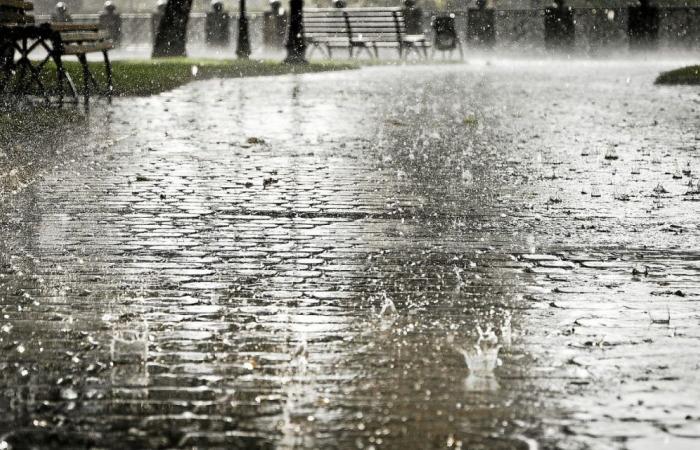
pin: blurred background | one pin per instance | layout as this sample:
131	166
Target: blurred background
601	27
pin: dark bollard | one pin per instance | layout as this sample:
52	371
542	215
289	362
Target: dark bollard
413	17
446	38
338	4
217	25
156	17
643	26
243	42
559	27
274	25
481	25
445	32
61	14
111	21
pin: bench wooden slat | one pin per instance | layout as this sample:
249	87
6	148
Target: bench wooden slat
324	13
78	36
361	26
331	39
75	26
324	24
17	4
386	44
323	20
377	19
76	49
373	38
413	38
340	26
356	23
353	10
359	14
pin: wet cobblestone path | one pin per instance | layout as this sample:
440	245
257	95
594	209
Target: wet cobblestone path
313	261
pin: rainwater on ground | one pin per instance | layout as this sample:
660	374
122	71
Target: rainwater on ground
500	255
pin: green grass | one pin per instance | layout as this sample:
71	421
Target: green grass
684	75
150	77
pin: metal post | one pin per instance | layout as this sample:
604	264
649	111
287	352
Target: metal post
243	42
296	47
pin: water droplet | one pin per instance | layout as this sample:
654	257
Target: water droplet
388	308
69	394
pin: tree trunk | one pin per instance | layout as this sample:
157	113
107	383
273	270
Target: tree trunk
296	47
171	37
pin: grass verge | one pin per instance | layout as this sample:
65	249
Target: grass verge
684	75
153	76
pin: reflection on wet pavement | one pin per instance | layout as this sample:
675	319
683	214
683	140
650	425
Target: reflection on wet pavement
474	256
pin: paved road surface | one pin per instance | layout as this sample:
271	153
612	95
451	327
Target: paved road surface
314	261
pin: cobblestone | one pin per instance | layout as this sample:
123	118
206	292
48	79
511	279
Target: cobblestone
167	281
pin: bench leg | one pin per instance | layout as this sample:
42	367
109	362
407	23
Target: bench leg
22	66
367	50
411	48
110	81
34	70
62	77
35	73
26	74
52	46
86	77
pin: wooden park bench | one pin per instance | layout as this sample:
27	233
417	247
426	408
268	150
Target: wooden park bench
20	38
361	29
